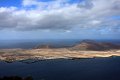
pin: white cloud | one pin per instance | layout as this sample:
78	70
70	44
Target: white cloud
29	2
67	31
60	15
95	22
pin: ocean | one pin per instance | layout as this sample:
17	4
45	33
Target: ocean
63	69
28	44
60	69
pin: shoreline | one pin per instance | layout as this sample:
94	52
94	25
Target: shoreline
29	61
11	55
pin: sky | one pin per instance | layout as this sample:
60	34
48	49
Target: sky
59	19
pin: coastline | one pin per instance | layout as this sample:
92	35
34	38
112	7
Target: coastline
11	55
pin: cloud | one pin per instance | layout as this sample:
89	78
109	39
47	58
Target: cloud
87	4
61	15
6	18
29	2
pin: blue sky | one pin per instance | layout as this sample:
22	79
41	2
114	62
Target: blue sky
8	3
59	19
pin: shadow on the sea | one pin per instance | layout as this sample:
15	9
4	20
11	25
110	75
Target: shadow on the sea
31	61
15	78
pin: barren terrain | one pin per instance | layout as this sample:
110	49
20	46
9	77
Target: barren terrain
42	54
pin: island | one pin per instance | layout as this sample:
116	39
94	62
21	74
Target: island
84	49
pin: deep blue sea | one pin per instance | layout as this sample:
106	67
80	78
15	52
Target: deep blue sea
61	69
28	44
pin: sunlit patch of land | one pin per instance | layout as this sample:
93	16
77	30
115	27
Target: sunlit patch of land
85	49
42	54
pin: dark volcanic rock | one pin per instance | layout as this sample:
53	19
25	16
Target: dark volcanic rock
44	47
83	45
48	46
93	45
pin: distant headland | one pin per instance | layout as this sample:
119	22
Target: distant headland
84	49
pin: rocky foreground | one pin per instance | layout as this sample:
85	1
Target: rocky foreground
86	49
